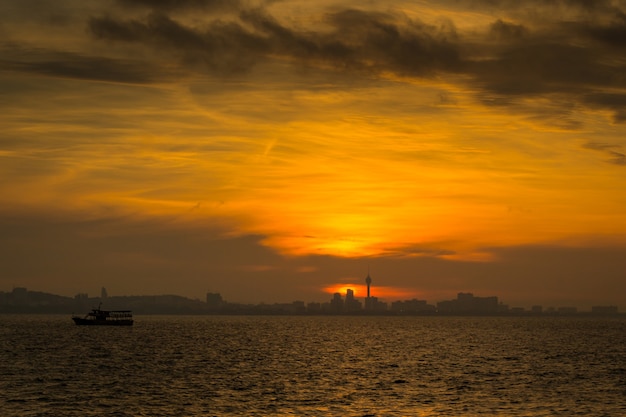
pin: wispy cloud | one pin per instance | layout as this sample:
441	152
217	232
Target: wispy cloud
613	152
77	66
538	49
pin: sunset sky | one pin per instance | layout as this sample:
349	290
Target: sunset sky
274	150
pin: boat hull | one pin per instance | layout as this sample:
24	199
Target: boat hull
91	322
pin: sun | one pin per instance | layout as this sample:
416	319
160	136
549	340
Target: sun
382	292
359	290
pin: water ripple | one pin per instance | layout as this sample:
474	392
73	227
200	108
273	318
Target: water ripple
312	366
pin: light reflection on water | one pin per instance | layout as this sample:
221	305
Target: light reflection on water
311	366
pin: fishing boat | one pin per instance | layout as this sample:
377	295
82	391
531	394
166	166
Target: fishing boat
99	317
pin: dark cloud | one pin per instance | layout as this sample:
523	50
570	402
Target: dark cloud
608	29
611	151
78	66
506	30
612	101
617	158
171	5
574	57
585	6
560	115
279	39
358	40
520	63
597	146
614	34
367	41
536	68
397	43
221	47
112	29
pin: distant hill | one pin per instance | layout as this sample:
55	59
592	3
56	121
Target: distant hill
21	300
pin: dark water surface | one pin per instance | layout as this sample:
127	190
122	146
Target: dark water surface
314	366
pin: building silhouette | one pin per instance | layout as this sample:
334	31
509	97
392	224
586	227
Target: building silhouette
214	299
371	303
466	303
351	304
413	306
336	304
608	310
21	300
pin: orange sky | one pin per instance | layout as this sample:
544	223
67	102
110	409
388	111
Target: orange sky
446	143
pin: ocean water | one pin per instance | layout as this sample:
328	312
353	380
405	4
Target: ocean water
314	366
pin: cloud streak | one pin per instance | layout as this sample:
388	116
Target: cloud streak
511	59
78	66
612	151
562	50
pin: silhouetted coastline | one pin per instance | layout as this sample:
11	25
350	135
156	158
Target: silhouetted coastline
23	301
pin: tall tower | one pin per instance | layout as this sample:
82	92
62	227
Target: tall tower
370	302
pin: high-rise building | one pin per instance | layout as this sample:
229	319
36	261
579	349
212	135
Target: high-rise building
369	300
336	304
466	303
351	303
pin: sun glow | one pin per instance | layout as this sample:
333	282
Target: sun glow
382	292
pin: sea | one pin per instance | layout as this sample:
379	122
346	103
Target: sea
314	366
